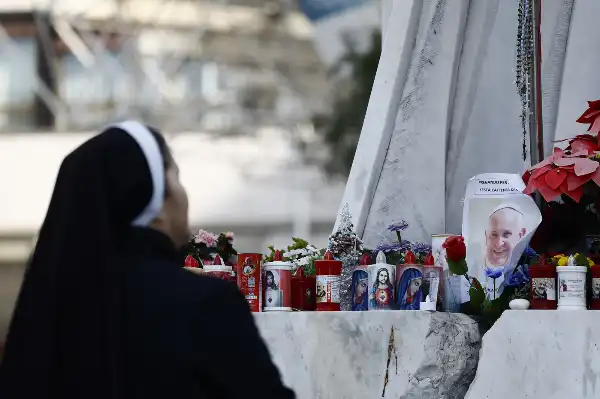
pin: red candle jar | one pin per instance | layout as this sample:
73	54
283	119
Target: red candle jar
329	272
190	261
219	270
595	297
543	285
193	265
303	291
249	279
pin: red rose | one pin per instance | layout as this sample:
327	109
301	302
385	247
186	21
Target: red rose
456	251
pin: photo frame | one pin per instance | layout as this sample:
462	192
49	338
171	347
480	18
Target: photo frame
498	223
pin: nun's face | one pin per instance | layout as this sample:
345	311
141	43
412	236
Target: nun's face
175	210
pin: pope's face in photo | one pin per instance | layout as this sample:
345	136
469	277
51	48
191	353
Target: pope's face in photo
505	229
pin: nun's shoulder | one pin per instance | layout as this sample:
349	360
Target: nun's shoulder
173	286
202	290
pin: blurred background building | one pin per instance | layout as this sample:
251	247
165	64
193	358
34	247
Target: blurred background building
234	84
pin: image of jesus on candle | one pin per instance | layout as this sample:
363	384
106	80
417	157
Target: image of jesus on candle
382	293
273	295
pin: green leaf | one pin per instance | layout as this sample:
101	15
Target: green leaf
487	304
476	293
458	268
581	260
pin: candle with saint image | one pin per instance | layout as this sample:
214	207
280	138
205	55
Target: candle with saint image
381	284
277	285
360	285
409	285
328	272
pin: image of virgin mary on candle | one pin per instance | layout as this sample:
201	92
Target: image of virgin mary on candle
382	293
360	291
410	293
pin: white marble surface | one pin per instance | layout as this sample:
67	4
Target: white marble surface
339	355
540	354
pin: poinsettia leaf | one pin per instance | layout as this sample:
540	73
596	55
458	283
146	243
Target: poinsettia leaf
458	268
595	127
574	181
554	178
564	161
548	193
585	166
575	194
540	170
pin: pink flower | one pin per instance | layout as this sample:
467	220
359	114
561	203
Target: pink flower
206	238
229	235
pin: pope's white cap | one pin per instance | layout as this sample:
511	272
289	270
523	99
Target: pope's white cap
506	205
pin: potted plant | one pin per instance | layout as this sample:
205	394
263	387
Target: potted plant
569	180
203	246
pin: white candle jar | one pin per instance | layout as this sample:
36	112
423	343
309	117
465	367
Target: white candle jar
571	287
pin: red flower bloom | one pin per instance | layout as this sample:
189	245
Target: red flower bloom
456	251
564	172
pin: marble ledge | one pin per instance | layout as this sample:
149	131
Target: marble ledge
395	354
540	354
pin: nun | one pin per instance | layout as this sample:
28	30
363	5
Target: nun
106	311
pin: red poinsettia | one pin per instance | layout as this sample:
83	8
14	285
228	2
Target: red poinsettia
567	171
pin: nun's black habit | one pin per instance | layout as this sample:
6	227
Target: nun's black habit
106	311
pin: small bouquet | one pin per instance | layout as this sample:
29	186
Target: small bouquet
204	245
396	251
515	286
300	253
578	260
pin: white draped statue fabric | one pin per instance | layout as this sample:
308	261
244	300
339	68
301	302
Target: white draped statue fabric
444	106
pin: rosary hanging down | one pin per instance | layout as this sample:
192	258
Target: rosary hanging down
524	67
